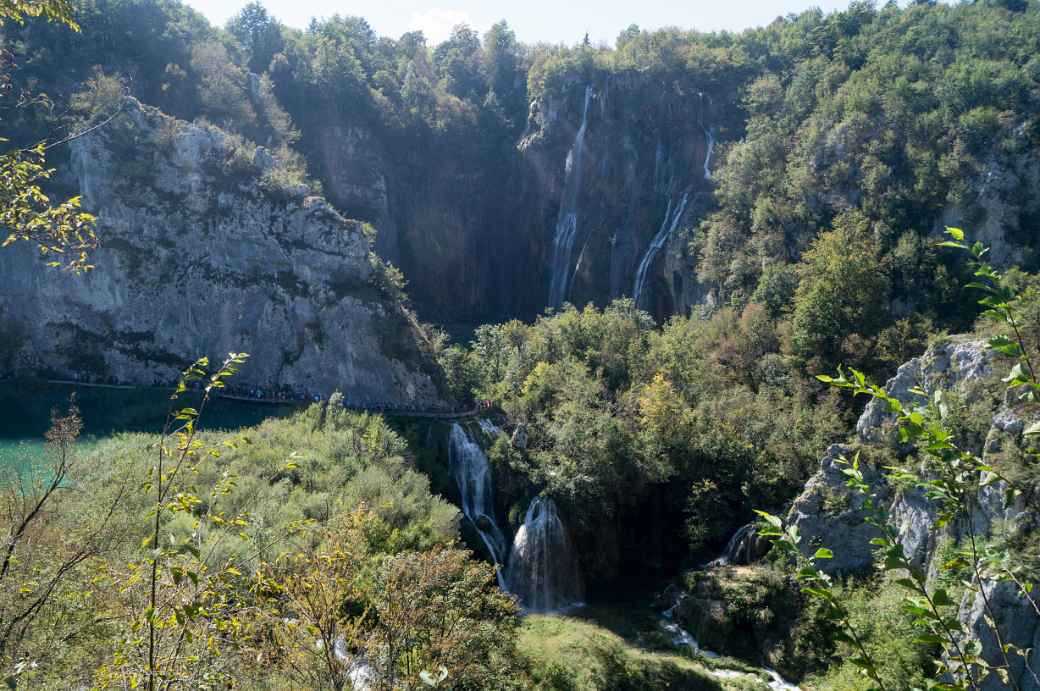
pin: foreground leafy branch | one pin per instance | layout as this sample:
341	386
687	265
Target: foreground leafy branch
63	233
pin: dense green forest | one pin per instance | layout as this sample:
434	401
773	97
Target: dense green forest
605	486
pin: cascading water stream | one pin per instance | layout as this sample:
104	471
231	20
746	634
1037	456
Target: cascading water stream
543	567
567	221
739	550
472	474
709	136
489	428
709	133
668	226
683	638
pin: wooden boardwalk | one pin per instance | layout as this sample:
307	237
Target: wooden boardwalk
382	410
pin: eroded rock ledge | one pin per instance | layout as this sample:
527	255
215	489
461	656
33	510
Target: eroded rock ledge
207	249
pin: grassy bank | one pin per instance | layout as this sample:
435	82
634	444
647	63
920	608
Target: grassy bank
618	647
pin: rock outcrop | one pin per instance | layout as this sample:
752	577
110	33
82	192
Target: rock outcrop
830	515
206	249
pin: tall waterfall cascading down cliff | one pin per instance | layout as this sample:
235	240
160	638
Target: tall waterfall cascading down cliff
668	226
567	221
543	566
709	139
472	474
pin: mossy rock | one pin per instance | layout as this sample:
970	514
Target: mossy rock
741	611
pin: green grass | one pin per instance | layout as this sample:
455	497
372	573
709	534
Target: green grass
617	647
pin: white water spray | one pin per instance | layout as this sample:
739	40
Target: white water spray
472	474
567	221
543	568
668	226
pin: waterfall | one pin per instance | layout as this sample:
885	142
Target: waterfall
543	568
709	133
741	548
709	136
567	221
668	226
659	185
472	473
489	428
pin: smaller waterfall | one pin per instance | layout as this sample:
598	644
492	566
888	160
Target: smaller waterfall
489	428
567	221
668	226
543	568
472	474
659	185
709	134
742	548
709	137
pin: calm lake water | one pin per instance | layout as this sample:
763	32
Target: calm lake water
25	414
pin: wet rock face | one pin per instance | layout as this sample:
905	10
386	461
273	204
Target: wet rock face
203	252
642	152
740	611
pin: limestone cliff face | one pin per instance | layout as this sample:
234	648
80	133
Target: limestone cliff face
1005	207
471	220
642	174
205	251
459	215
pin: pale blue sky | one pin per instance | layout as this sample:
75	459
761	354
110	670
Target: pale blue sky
533	20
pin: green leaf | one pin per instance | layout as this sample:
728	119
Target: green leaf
928	639
774	521
1005	346
823	553
955	233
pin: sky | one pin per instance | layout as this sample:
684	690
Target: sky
555	21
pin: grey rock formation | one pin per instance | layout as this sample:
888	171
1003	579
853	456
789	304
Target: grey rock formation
1003	204
1019	625
951	365
204	252
827	514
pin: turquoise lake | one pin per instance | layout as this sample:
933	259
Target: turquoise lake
25	414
